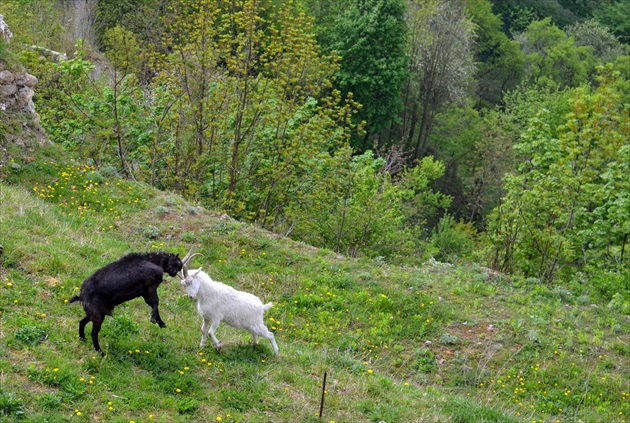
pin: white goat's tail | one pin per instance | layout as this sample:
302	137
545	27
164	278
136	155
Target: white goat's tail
267	306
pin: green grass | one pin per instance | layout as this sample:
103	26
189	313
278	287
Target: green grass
432	343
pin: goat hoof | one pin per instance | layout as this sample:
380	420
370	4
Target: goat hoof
162	324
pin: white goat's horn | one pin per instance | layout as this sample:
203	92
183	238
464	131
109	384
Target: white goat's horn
186	260
188	256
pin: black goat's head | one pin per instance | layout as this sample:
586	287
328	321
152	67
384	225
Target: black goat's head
172	264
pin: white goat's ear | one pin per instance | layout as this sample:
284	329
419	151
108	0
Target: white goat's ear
196	272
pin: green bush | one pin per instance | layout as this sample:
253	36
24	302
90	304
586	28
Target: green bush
151	232
122	325
453	240
608	284
187	406
620	303
425	361
11	406
161	211
60	378
30	335
6	55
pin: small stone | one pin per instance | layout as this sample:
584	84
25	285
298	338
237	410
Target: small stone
6	77
8	90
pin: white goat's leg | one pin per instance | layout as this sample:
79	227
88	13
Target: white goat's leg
272	339
266	333
204	331
254	338
213	328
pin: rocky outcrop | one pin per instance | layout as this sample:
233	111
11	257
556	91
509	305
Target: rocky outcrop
16	98
20	129
16	91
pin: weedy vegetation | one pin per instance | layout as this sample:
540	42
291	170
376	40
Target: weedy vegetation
431	343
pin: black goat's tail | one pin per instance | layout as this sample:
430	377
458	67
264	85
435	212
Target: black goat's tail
75	298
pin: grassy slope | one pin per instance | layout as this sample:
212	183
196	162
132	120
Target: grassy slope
427	344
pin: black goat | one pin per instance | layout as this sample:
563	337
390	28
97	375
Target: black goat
134	275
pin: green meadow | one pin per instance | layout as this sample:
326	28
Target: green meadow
431	343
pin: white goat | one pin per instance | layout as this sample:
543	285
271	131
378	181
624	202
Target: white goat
218	302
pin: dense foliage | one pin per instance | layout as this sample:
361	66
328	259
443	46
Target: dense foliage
568	193
380	128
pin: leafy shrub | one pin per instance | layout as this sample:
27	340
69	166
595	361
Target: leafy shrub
151	232
619	304
584	299
425	361
11	406
109	171
563	292
161	211
30	335
50	401
6	55
452	239
58	378
191	210
188	237
123	325
607	284
187	406
359	210
448	339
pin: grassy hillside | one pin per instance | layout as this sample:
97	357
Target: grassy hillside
434	343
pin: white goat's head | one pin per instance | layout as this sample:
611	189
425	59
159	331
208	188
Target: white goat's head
189	281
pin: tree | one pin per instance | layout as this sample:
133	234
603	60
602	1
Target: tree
370	38
605	47
477	154
142	17
255	106
325	13
356	209
518	14
440	66
99	118
615	15
499	60
34	22
546	222
124	54
552	55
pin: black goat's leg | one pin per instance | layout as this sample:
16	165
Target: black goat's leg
151	298
82	324
96	327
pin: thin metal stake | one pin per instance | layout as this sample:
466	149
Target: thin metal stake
321	404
